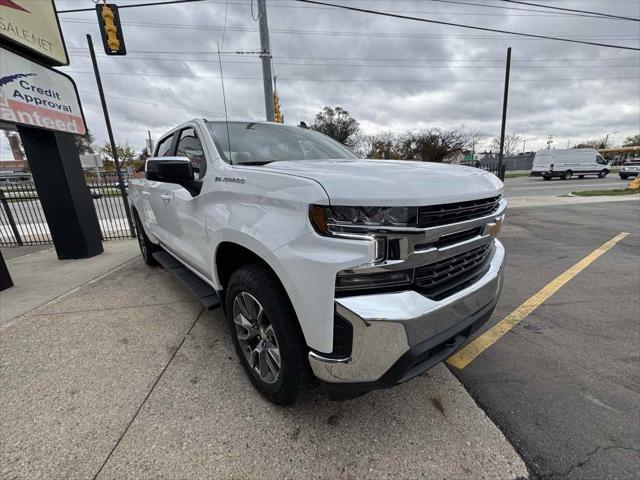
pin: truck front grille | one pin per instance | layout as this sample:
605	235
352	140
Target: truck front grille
436	215
452	274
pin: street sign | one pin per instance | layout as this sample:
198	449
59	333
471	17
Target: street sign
37	96
468	157
32	25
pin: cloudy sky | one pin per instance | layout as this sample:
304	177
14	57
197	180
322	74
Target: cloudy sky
390	74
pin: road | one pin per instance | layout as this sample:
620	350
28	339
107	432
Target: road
563	384
536	186
112	208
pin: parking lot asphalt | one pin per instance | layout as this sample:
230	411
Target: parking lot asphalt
564	383
126	377
534	186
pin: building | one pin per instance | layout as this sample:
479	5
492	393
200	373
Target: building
14	171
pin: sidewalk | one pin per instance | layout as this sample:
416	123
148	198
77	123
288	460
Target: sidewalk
549	200
124	376
40	277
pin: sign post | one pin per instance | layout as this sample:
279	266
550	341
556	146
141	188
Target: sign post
44	105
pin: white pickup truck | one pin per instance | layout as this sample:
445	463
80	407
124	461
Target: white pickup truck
363	272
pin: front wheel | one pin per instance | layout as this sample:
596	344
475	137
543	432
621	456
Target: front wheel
623	176
266	333
603	173
547	178
146	247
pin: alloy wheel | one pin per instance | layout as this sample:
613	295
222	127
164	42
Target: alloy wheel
256	337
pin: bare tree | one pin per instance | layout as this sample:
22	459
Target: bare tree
632	141
336	123
511	143
596	143
433	145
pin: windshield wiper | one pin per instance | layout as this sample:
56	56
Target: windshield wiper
264	162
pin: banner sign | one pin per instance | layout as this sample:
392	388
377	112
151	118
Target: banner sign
37	96
33	25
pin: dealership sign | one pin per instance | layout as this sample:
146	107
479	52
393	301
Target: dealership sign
33	95
33	25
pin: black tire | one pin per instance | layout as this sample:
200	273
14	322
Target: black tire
623	176
257	281
603	173
567	175
546	178
146	246
581	176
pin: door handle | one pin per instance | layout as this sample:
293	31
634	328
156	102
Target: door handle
166	198
145	193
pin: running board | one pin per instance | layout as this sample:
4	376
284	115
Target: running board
207	295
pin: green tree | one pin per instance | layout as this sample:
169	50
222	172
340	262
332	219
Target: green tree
633	141
126	156
84	143
337	123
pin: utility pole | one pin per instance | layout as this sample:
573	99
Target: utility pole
504	114
265	46
524	143
114	150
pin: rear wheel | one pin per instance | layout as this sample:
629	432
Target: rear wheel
546	178
580	176
266	334
146	247
567	175
623	176
603	173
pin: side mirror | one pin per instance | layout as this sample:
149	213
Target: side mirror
169	169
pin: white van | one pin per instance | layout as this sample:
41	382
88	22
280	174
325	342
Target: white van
566	163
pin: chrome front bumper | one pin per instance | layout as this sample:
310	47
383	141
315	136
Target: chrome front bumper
387	326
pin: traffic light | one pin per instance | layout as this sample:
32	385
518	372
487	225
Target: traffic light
110	29
276	108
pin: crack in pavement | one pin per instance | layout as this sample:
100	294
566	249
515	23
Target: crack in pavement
155	383
586	460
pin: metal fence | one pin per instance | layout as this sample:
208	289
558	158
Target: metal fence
22	219
493	168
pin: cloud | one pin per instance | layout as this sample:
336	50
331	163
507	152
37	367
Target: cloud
411	75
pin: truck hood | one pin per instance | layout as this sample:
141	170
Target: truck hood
393	182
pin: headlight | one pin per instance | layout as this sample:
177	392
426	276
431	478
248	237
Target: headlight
327	220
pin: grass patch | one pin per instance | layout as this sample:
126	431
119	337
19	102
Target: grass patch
516	174
598	193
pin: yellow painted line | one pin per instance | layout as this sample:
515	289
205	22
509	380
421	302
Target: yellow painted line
465	356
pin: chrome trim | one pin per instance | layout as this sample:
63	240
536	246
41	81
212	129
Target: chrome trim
386	326
412	258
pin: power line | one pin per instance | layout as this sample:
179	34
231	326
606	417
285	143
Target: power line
398	65
133	5
456	2
129	99
344	33
471	27
381	59
373	80
573	10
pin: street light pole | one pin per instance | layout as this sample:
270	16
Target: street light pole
265	55
114	150
504	115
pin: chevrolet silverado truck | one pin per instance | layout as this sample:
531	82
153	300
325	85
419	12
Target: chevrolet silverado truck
363	273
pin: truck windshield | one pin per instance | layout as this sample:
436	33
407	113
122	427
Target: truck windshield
260	143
